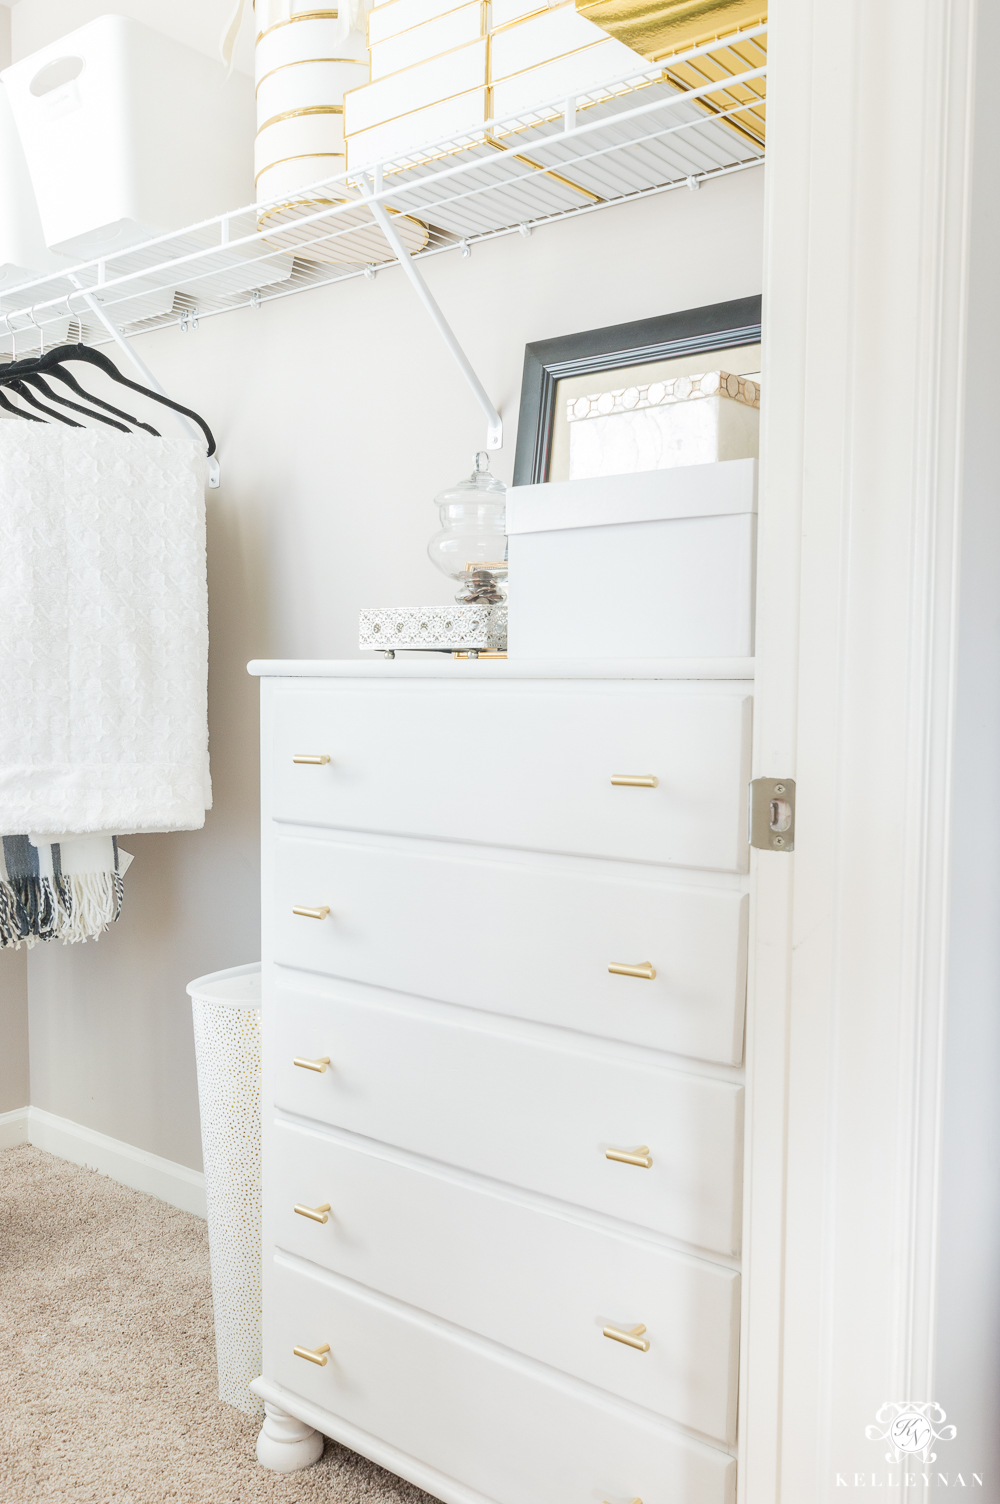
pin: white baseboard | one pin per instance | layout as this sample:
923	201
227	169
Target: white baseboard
170	1182
14	1128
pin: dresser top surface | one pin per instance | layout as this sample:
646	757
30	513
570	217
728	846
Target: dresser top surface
504	669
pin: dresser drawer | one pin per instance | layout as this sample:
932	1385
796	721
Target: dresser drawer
528	767
516	938
531	1279
513	1102
478	1414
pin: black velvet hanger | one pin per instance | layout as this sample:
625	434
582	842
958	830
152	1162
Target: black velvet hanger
18	412
18	372
69	380
42	385
27	396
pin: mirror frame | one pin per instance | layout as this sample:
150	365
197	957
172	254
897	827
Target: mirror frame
718	326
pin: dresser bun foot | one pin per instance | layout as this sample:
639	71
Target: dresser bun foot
286	1445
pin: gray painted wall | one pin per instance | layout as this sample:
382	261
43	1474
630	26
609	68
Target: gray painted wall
13	1030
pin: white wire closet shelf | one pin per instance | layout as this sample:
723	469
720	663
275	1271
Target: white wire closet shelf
627	139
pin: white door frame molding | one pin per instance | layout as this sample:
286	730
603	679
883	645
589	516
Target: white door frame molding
870	145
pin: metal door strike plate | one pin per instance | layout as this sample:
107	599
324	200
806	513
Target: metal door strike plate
772	814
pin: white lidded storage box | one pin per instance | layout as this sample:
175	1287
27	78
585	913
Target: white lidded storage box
225	1006
658	564
128	134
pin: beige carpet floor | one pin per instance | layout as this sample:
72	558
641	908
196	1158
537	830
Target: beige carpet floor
107	1359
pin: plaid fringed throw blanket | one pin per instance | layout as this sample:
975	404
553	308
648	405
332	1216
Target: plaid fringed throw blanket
68	889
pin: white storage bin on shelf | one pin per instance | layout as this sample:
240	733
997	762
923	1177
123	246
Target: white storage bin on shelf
23	253
658	564
226	1009
128	134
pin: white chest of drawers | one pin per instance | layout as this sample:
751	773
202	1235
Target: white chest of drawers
488	1156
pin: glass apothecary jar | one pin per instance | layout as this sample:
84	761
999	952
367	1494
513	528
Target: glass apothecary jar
471	546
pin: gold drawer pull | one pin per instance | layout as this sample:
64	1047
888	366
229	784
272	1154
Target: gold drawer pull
306	913
644	969
632	1338
634	780
640	1156
313	759
314	1213
318	1355
318	1065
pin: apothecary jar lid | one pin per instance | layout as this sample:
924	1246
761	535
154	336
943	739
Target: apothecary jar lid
480	485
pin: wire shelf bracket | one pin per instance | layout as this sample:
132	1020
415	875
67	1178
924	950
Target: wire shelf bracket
494	422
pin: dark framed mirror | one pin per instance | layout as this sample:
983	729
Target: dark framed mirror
560	373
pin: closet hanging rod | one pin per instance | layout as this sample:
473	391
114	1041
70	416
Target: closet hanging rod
99	313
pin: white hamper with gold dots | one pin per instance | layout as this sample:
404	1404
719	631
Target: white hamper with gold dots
226	1009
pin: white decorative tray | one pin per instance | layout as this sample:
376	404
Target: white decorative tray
443	629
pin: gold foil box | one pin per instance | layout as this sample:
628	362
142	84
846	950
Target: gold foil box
655	28
661	29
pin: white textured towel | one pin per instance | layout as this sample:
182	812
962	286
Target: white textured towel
103	632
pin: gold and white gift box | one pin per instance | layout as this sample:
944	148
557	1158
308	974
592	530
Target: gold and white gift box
522	63
314	80
551	54
304	30
303	66
392	17
461	115
430	38
556	34
503	12
433	81
314	141
441	629
657	564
